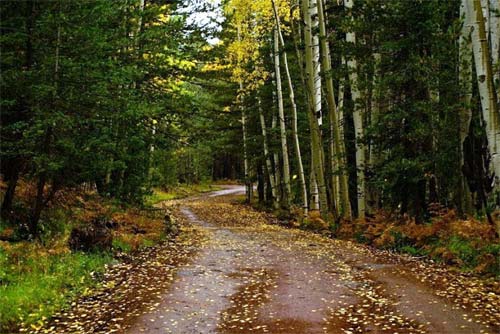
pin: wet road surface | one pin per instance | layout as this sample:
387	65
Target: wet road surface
268	279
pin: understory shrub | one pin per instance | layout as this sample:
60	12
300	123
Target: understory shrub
468	243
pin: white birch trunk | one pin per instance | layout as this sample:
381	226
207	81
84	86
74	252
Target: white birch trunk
314	205
358	122
313	13
281	113
269	166
295	133
486	89
485	7
337	147
341	105
314	99
494	24
485	84
340	109
248	184
276	159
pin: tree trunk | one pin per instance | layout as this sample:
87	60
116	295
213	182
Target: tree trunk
261	186
295	133
372	194
494	23
337	159
487	92
314	205
248	183
465	117
269	166
281	113
358	121
314	114
8	198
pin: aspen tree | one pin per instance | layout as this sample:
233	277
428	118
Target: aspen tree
248	184
337	158
487	94
372	194
483	66
358	121
314	205
276	159
295	133
281	115
465	78
269	166
309	9
494	28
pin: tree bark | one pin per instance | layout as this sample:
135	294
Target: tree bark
465	117
309	11
286	198
358	121
248	184
269	166
337	158
372	194
494	24
295	133
487	92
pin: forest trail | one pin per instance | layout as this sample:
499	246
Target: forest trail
251	277
234	270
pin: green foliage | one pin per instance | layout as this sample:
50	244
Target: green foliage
90	96
464	251
121	245
412	250
33	287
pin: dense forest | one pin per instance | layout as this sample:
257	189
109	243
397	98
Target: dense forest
369	119
342	108
381	105
111	95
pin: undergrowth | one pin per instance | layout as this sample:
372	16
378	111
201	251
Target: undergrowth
35	283
469	244
40	277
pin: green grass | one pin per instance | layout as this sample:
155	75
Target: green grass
120	245
180	191
34	286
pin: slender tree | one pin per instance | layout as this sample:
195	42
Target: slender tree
309	10
267	156
295	132
337	155
358	120
281	115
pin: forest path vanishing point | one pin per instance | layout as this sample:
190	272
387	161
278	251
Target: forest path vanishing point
249	276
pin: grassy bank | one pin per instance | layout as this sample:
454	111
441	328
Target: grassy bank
38	278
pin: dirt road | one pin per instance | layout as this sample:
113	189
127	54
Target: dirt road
248	276
255	278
